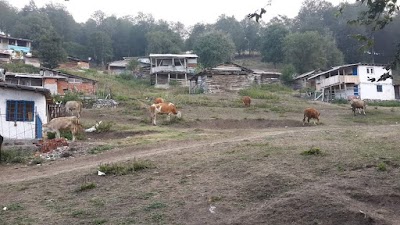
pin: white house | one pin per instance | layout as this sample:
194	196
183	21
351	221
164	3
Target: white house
353	80
22	110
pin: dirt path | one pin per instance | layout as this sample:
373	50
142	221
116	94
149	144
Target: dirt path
13	174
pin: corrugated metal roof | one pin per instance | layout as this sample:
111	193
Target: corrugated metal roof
333	69
119	63
305	74
44	91
173	56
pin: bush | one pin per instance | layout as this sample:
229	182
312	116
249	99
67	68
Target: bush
126	76
312	151
104	127
340	101
86	186
15	155
127	168
100	148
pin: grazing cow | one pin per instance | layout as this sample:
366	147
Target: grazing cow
311	113
359	105
70	123
246	101
1	143
74	107
158	100
163	108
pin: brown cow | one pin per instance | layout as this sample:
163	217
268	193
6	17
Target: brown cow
246	101
358	104
70	123
163	108
74	107
311	113
158	100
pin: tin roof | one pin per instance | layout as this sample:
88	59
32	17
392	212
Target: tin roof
44	91
173	56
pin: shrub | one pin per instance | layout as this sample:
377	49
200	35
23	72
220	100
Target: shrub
312	151
104	127
125	168
382	166
126	76
100	148
340	101
15	155
86	186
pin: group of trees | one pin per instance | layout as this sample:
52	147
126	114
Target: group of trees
316	38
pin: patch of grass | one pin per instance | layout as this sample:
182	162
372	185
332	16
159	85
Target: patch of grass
385	103
100	148
215	199
15	207
312	151
98	202
86	186
104	127
79	213
99	221
382	167
37	160
125	168
15	155
157	218
258	93
155	205
340	101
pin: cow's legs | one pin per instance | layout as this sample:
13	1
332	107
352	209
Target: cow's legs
169	117
153	119
58	134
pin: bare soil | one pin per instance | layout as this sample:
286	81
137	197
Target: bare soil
243	166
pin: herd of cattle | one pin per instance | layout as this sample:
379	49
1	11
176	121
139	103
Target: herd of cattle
74	108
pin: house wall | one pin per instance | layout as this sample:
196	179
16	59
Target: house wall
344	93
368	89
20	129
51	84
221	83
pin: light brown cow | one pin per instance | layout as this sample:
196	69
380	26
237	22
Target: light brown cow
359	105
73	107
163	108
246	101
311	113
158	100
70	123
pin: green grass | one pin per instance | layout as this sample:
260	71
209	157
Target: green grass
15	155
312	151
385	103
125	168
86	186
100	148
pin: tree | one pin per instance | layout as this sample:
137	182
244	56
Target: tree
164	42
288	71
8	15
252	39
213	48
196	31
272	43
101	47
50	49
310	50
231	27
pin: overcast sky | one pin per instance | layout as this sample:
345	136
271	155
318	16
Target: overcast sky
187	12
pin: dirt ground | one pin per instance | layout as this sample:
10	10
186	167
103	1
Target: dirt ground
219	165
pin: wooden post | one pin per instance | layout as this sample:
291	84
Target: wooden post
1	143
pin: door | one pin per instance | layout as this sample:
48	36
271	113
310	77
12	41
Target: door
38	127
397	92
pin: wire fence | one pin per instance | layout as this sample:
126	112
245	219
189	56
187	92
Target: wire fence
17	129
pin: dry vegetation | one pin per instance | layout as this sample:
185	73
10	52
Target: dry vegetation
221	164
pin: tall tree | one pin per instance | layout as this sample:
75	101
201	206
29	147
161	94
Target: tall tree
213	48
164	42
196	31
50	49
310	50
272	43
8	15
233	28
101	47
252	39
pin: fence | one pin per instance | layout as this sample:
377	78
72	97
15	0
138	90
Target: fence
17	129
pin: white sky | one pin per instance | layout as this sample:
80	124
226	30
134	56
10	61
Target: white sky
188	12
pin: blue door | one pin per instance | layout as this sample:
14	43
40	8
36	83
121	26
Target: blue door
38	127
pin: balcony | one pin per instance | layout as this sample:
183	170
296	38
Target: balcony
171	69
340	79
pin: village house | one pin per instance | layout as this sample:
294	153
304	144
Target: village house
351	80
57	82
229	77
172	67
75	63
17	47
23	109
121	66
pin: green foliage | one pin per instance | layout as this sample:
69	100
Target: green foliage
15	155
214	48
340	101
156	205
258	93
100	148
310	50
385	103
229	25
382	166
71	96
126	76
132	64
20	67
15	207
51	52
164	42
86	186
312	151
125	168
288	72
272	44
104	127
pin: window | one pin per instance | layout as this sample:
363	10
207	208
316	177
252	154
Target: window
19	110
379	88
356	90
370	70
